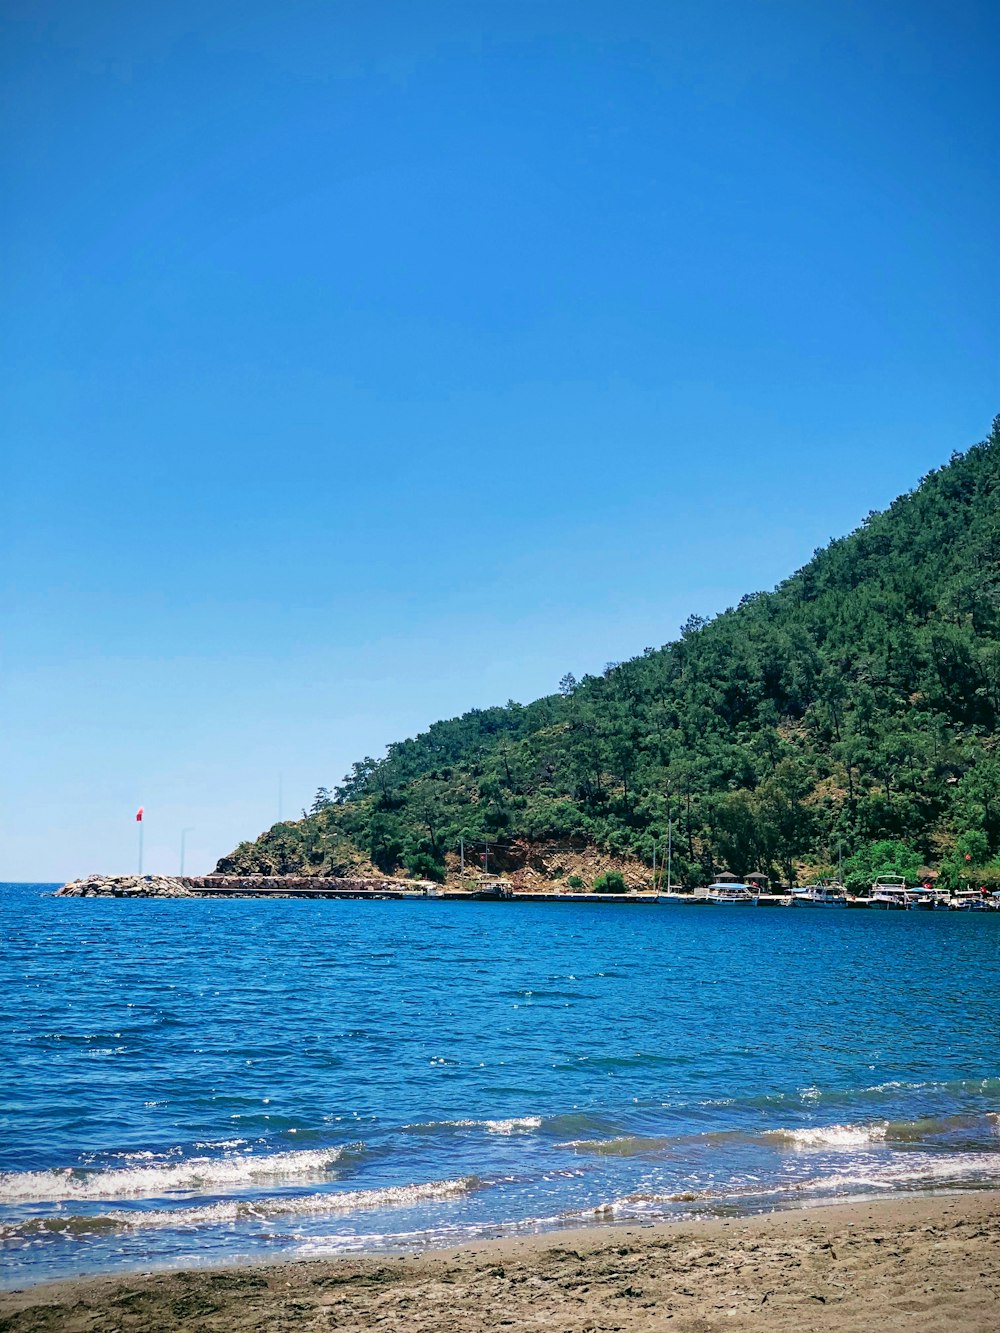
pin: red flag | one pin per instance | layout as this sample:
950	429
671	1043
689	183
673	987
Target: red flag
138	815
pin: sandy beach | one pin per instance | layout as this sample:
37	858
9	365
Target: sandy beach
918	1264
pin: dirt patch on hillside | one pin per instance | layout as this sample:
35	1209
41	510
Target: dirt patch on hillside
549	865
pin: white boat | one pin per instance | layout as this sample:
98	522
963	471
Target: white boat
968	901
889	893
734	895
923	899
820	895
729	894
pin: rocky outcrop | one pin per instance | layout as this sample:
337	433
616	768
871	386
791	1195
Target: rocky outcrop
237	886
126	886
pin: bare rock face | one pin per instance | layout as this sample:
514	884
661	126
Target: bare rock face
126	886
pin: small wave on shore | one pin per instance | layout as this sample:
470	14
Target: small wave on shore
152	1179
827	1136
914	1171
919	1130
622	1145
833	1138
240	1210
917	1173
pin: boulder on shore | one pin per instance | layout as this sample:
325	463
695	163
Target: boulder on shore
126	886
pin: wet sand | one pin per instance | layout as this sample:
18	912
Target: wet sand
919	1265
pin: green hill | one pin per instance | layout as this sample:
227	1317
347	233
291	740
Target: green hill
856	703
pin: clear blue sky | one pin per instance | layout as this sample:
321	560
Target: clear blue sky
367	362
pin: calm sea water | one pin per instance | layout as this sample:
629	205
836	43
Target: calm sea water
188	1082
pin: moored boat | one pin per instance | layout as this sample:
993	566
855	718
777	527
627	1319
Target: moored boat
925	899
497	889
889	893
968	900
729	893
820	895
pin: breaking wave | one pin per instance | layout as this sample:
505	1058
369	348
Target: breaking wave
624	1145
523	1124
885	1131
239	1210
913	1170
157	1178
828	1136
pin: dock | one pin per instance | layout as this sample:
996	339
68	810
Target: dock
375	888
288	886
324	886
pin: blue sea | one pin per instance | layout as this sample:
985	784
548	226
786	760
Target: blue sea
194	1082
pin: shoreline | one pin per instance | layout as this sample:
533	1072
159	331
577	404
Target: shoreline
370	889
382	888
925	1262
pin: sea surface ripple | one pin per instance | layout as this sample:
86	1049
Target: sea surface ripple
195	1081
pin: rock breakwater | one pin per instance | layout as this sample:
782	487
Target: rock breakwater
242	886
126	886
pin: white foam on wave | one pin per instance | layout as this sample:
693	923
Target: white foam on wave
195	1174
635	1205
910	1172
523	1124
517	1125
829	1136
911	1169
428	1238
248	1210
622	1145
845	1137
988	1083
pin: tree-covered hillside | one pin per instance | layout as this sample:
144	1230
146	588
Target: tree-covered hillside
857	702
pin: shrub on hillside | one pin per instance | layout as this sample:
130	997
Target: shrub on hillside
610	882
422	865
